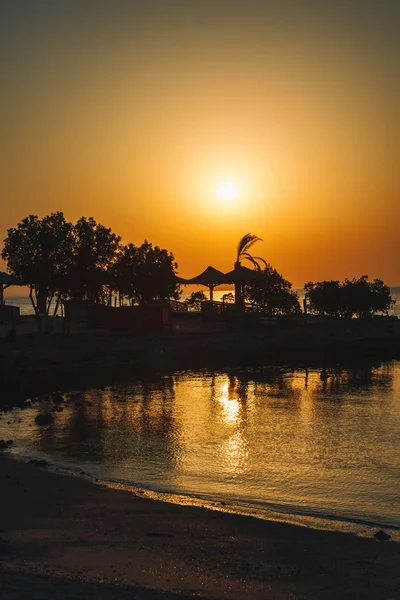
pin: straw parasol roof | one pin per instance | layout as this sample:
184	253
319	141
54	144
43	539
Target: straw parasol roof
211	277
208	277
242	274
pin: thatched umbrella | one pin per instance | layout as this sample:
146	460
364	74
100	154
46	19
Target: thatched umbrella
239	276
242	274
210	278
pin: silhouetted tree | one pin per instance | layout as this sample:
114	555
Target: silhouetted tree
355	297
95	252
324	297
272	295
39	252
242	253
244	245
146	273
365	298
228	298
195	299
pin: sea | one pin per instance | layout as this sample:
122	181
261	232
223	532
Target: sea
25	304
315	448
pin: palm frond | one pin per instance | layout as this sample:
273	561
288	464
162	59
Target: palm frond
259	259
255	260
244	245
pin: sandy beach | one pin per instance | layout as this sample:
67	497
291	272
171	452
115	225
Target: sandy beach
67	537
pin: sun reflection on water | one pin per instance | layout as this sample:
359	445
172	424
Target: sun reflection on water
230	406
233	450
235	453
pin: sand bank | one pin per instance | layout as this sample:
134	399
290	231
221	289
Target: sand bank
68	536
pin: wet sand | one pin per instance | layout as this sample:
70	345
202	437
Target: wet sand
66	537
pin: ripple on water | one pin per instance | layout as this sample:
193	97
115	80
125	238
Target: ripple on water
271	442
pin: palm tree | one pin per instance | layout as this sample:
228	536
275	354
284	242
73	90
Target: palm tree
244	245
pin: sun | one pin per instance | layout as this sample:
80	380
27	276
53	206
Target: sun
227	191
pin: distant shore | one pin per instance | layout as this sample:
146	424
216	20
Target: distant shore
67	537
39	363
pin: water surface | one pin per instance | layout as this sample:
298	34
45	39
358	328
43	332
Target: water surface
266	441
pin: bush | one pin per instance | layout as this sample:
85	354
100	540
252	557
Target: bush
195	299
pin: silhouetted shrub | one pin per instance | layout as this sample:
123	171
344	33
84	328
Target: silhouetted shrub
355	297
195	299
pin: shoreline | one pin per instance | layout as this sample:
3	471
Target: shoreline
326	522
77	533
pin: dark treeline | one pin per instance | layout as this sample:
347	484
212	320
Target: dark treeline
355	297
85	261
60	260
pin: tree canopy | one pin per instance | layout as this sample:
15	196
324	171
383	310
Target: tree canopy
146	273
95	249
272	295
355	297
40	252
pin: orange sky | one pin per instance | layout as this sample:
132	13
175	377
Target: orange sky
135	112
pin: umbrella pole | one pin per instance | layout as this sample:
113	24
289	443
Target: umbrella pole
211	292
238	295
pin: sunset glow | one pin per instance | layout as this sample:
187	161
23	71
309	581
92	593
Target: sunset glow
199	121
228	191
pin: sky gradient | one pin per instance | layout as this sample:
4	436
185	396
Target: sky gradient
136	112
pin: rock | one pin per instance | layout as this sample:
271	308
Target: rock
382	536
57	398
5	444
38	463
45	419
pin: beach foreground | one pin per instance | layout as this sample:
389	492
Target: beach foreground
66	537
